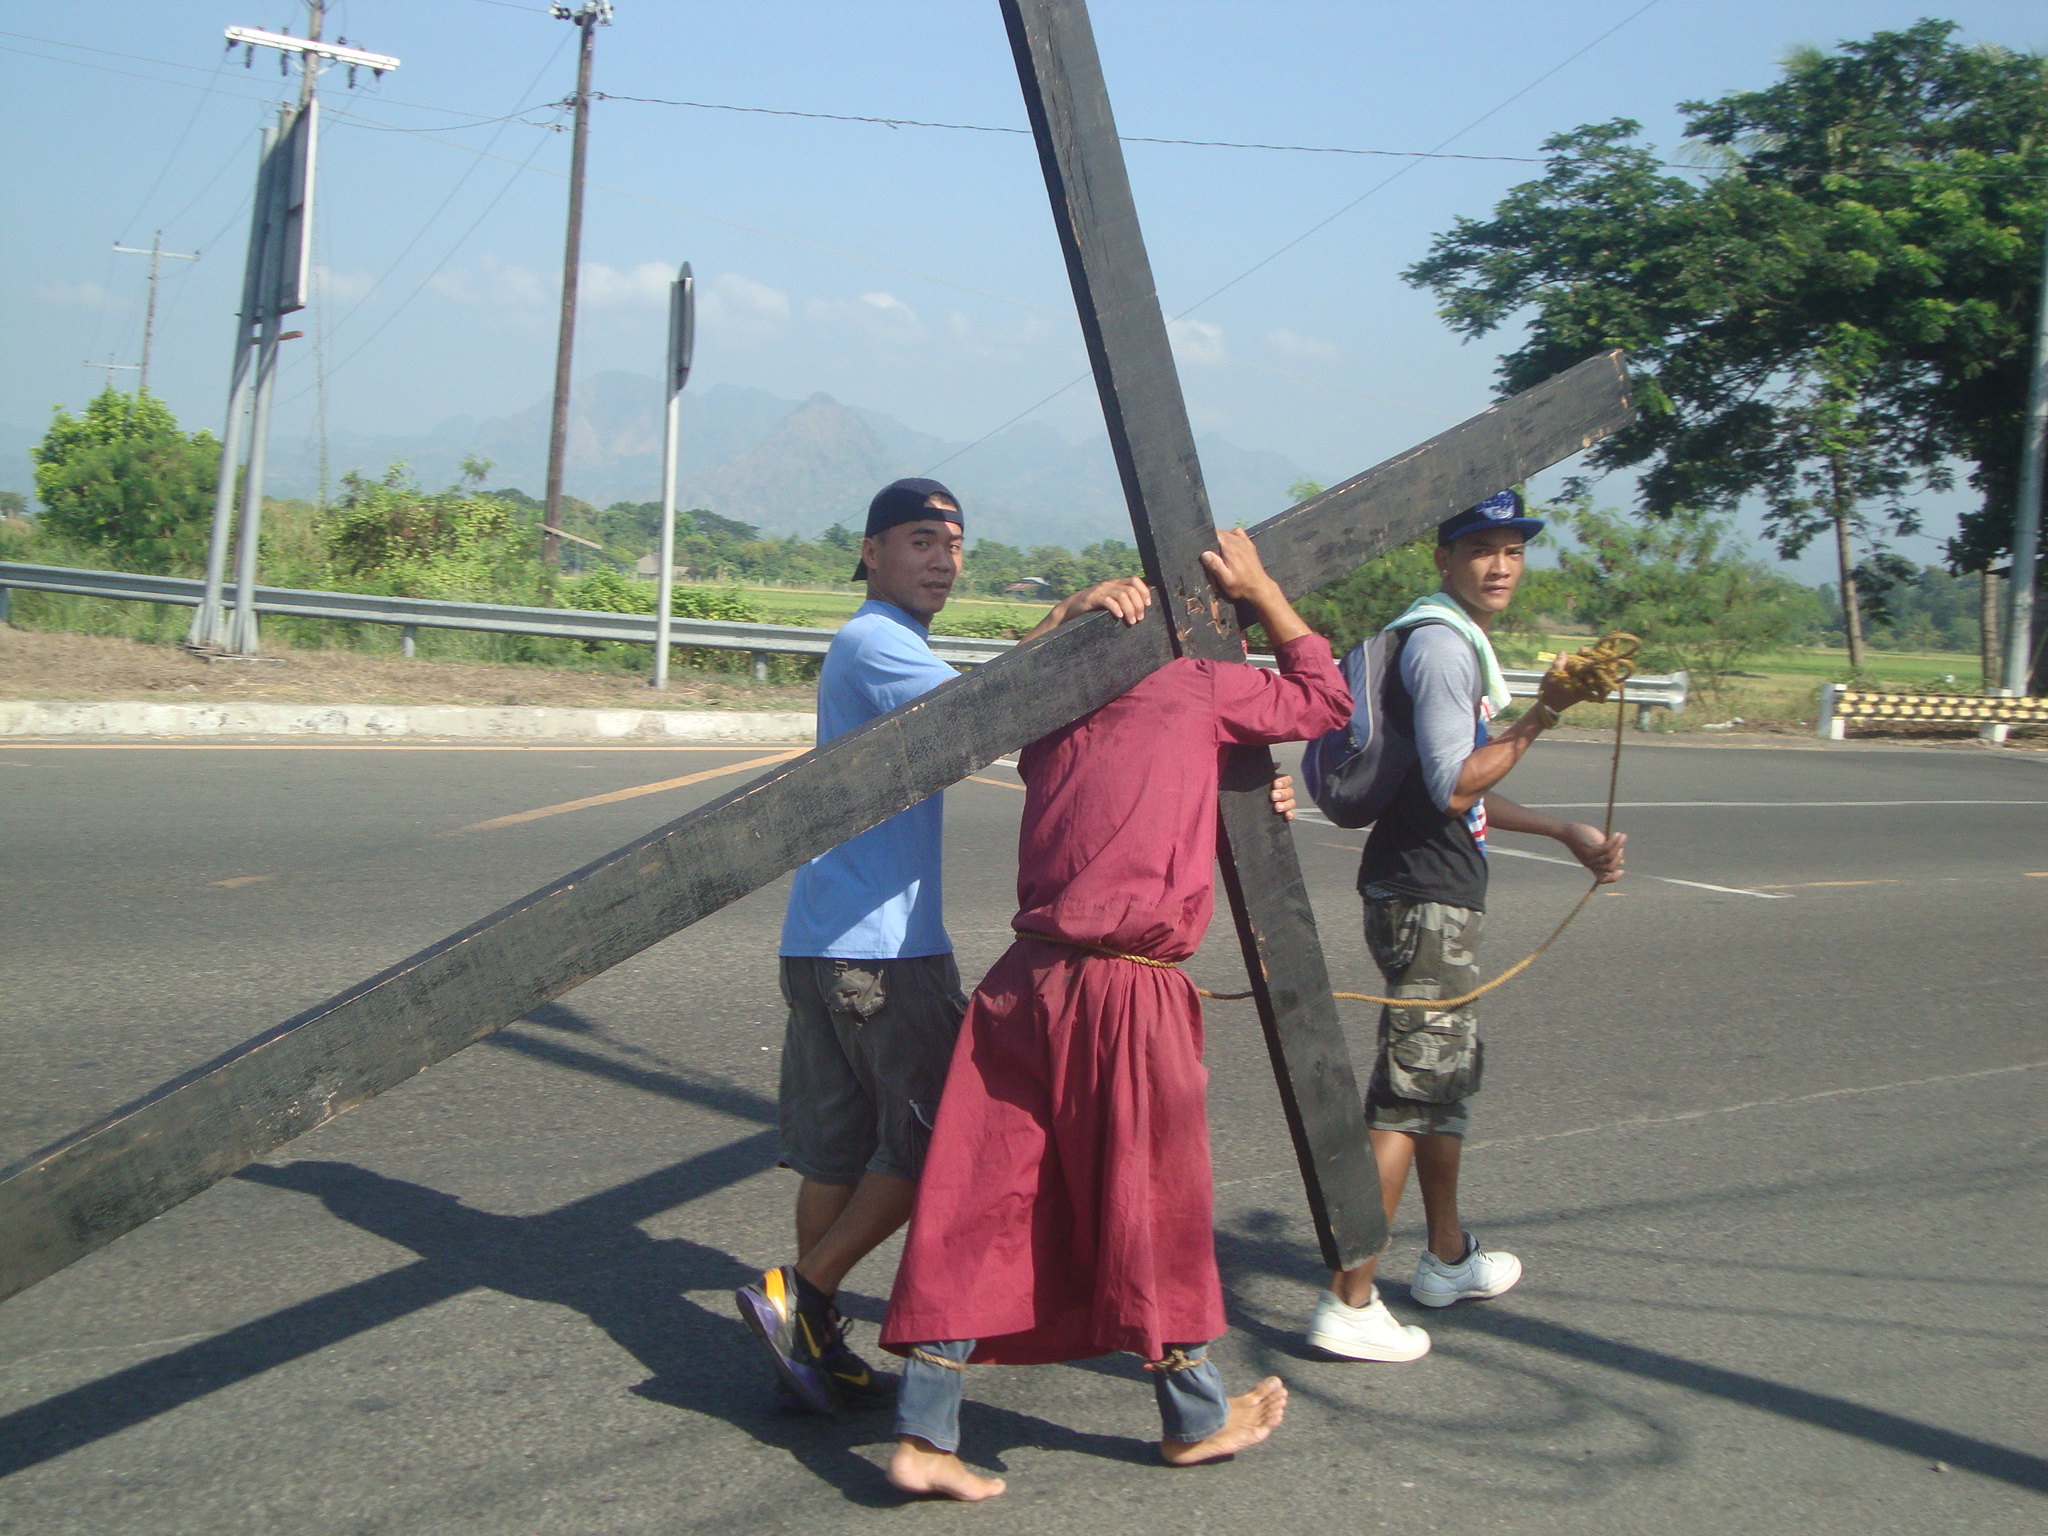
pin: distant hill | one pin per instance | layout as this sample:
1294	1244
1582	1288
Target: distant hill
793	466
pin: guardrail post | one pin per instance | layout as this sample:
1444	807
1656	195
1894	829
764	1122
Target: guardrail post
1993	731
1830	725
760	666
6	602
1642	720
408	640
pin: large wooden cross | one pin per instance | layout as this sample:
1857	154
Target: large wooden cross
83	1192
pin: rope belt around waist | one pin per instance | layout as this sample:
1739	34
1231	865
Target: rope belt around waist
1609	662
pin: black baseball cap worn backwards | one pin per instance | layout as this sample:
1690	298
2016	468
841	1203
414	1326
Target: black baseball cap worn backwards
1502	510
903	501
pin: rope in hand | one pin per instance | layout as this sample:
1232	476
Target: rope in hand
1600	669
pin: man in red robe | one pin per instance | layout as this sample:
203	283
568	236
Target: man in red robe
1066	1209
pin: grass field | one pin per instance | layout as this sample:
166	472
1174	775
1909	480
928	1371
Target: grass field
826	609
1783	687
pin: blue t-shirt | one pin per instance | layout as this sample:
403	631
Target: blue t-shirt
876	896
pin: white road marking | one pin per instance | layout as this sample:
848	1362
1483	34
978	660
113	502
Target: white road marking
1493	846
1736	1109
1753	805
1702	1114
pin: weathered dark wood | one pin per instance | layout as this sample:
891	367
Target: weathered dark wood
1068	103
88	1189
94	1185
1331	535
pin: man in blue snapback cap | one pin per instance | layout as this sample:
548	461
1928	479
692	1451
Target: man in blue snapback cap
1423	878
867	968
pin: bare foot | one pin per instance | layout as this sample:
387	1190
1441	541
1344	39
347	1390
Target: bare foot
1252	1417
920	1467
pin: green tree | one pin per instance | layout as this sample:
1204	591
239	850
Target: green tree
124	479
1843	297
393	537
1685	585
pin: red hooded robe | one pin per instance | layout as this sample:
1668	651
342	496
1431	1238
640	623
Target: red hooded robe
1066	1207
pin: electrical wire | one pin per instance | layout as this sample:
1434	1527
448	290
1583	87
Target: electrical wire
447	256
1126	138
1321	224
454	191
177	145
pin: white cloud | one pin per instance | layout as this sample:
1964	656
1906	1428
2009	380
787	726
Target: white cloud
886	302
497	283
1197	341
341	287
642	287
1302	349
730	296
80	296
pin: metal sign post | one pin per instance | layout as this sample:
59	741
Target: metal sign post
682	336
276	280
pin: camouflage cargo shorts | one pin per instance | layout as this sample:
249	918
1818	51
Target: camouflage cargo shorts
1429	1061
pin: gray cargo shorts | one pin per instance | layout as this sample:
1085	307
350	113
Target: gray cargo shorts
1429	1061
863	1061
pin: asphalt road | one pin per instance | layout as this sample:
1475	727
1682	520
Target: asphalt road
1770	1143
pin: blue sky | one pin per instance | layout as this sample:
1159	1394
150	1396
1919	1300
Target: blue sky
907	270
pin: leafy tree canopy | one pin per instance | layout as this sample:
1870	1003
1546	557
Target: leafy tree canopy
1842	296
122	478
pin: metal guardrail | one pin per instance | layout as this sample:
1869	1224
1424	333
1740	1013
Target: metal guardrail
410	613
1645	692
762	640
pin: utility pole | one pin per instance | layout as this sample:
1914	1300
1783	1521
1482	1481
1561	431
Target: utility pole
275	281
110	365
156	254
588	18
2026	517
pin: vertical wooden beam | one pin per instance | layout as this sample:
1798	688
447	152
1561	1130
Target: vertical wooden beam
1132	357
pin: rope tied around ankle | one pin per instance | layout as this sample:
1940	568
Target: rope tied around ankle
1175	1361
1604	668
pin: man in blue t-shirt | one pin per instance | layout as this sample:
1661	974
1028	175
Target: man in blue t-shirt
867	969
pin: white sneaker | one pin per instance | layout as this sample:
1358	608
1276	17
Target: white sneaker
1474	1278
1369	1332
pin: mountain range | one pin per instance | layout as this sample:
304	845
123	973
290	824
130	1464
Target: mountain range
791	466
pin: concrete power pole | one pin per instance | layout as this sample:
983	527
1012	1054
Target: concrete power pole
2026	517
156	254
275	281
591	15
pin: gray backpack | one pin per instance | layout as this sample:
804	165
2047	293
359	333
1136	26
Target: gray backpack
1353	772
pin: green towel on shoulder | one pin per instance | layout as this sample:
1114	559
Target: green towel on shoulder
1442	608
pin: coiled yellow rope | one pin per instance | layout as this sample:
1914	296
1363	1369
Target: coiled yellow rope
1607	665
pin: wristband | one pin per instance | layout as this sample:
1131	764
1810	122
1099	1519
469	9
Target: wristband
1554	715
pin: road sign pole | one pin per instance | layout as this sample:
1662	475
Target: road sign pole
682	330
208	629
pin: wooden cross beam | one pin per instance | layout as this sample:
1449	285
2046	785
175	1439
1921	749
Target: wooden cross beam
1068	102
84	1191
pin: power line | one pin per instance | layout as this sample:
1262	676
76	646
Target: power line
447	257
1324	223
1127	138
454	191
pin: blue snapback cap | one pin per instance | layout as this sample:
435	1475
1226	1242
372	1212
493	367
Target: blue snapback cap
1505	509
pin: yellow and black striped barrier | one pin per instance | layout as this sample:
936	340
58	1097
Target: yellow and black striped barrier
1840	704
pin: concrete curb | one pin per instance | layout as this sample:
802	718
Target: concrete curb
398	721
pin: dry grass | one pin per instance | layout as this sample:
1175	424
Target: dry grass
45	664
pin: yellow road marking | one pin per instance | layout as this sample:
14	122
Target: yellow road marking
374	746
2037	874
243	880
1804	885
626	794
975	778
